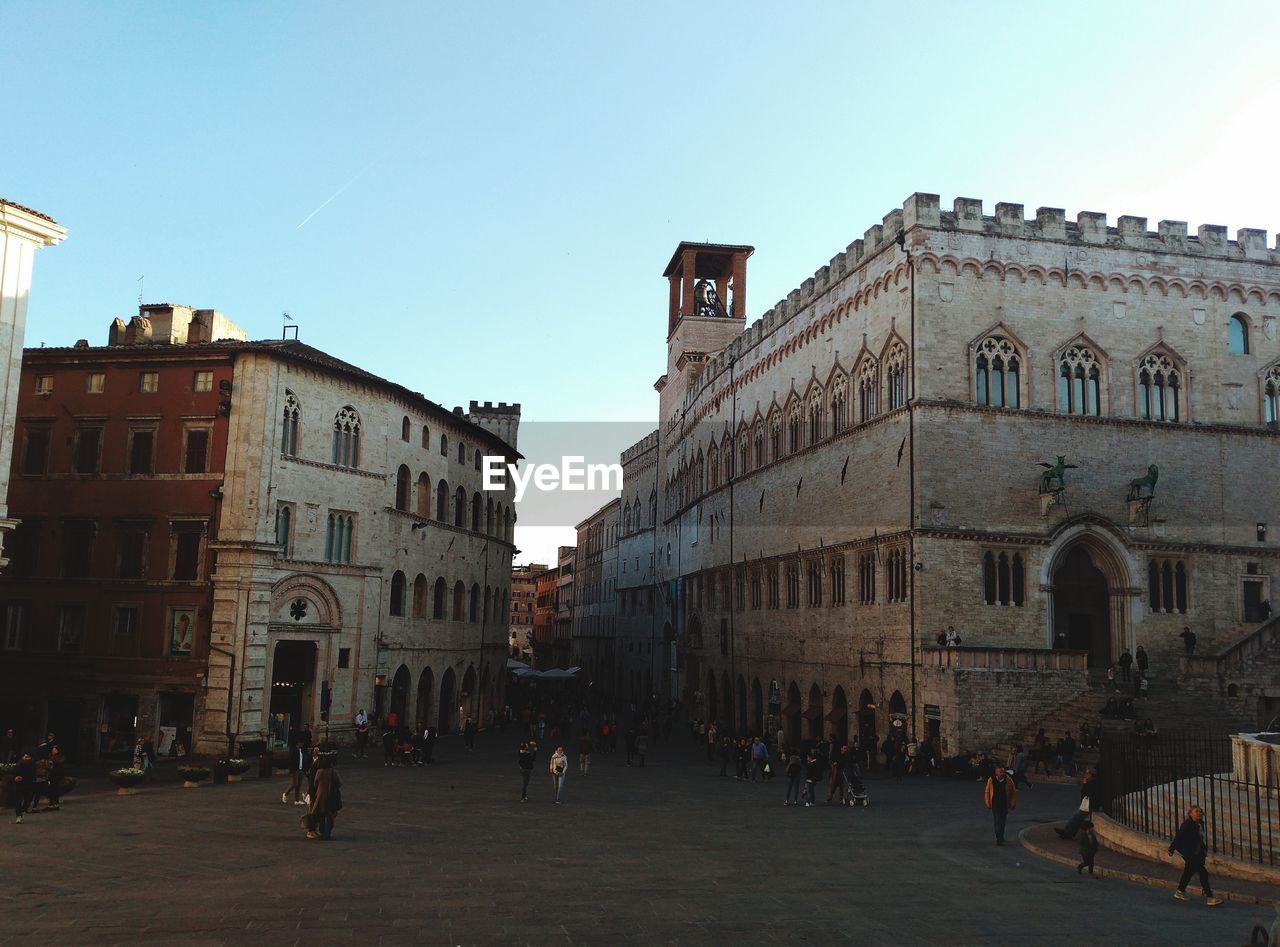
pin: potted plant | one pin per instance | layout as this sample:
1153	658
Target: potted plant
236	768
193	776
125	779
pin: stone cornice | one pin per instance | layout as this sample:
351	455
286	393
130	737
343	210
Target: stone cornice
22	222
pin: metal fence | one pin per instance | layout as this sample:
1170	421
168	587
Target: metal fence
1149	783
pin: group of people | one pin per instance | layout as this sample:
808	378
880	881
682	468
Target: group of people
33	776
948	638
1132	669
402	746
313	767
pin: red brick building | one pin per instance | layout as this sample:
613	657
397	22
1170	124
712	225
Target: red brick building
116	482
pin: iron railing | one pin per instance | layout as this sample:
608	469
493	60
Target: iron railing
1149	784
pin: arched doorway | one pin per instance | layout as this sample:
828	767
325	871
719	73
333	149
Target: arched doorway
791	714
293	676
1094	593
425	683
1081	606
897	704
867	722
467	699
711	695
839	716
814	713
400	694
726	707
448	684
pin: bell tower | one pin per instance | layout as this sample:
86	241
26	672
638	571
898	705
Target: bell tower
707	309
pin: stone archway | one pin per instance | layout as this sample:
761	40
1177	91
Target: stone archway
444	719
426	683
1094	598
400	694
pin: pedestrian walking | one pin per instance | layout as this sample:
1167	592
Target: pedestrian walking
795	772
362	734
642	747
143	759
326	801
388	744
1143	660
528	754
1001	797
1191	844
812	773
559	768
1019	766
630	740
1088	847
1088	789
24	786
759	759
1126	662
726	752
584	753
297	768
469	730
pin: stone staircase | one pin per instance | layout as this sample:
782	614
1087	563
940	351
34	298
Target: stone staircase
1245	676
1171	707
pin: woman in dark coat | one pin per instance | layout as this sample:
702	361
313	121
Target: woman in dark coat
326	800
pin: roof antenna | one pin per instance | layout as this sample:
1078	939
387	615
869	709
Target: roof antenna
142	282
284	332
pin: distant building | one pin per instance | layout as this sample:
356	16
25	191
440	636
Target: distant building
234	538
544	615
562	643
595	600
520	621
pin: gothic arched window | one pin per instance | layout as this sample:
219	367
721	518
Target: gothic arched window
1238	335
896	369
868	390
997	371
1079	381
346	438
839	407
1159	389
289	430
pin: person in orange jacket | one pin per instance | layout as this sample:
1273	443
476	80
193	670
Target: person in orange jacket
1001	797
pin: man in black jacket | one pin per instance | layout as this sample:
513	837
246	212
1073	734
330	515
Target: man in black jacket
528	753
1191	845
24	786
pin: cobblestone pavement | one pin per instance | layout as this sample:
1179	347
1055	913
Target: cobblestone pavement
667	854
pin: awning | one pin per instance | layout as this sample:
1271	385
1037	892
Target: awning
837	714
813	713
793	708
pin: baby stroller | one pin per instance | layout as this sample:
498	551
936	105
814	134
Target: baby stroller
857	794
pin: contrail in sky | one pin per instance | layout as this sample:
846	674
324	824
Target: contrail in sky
353	180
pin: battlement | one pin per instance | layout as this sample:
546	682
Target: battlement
490	408
639	448
924	211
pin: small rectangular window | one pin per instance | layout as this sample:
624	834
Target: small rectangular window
132	556
77	548
44	384
344	657
197	459
35	456
186	553
95	383
88	450
142	451
17	623
148	382
202	381
71	628
125	623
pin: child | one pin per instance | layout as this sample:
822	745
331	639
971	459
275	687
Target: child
1088	847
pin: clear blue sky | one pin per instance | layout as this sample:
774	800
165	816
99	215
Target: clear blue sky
514	177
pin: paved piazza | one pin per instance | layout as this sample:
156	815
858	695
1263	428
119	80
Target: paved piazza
667	854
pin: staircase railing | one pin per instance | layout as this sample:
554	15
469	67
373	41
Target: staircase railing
1039	659
1235	655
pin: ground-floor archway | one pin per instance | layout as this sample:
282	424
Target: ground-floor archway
293	685
867	735
400	694
448	686
467	701
791	715
757	707
711	696
813	714
426	683
838	718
